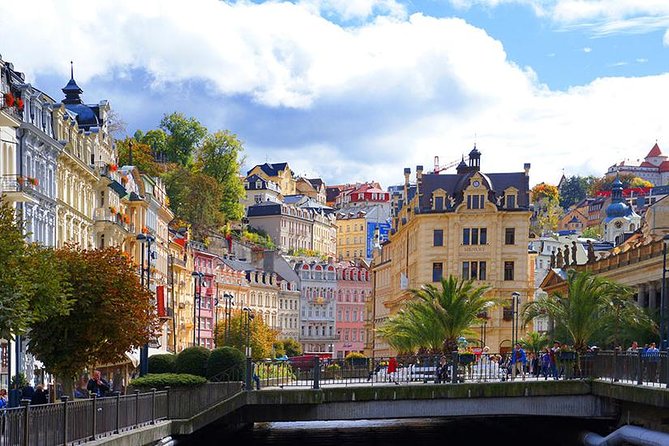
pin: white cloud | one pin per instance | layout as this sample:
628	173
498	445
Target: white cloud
365	100
357	9
587	49
666	38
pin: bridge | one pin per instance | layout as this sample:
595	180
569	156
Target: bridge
622	394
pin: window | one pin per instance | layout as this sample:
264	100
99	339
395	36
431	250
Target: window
438	237
510	236
437	271
511	201
475	201
474	236
438	203
474	270
508	270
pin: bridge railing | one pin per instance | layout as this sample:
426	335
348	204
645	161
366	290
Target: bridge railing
629	367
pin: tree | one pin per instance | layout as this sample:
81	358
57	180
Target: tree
592	232
262	337
592	305
292	347
547	210
574	189
32	280
606	183
219	158
142	157
195	198
111	315
183	136
534	341
435	318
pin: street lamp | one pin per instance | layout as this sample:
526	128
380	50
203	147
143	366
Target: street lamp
249	363
229	303
145	239
515	306
197	302
663	298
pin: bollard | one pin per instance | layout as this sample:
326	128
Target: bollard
95	418
153	406
317	372
64	400
26	421
118	412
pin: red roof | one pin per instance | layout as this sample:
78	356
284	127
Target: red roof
664	167
647	164
655	151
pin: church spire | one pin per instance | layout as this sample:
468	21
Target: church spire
72	90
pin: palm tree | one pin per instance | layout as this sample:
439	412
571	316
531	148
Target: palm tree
534	341
435	318
592	306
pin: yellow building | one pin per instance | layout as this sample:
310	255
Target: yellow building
180	333
471	225
279	173
351	235
88	150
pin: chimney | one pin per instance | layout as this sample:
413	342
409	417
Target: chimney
526	166
407	173
419	180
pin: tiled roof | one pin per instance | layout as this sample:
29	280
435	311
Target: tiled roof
655	151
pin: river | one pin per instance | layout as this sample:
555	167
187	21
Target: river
415	432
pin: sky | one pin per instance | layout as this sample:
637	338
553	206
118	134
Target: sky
357	90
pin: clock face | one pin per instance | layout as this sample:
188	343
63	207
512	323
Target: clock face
476	183
618	224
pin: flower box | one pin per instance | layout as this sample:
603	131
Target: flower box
9	100
33	181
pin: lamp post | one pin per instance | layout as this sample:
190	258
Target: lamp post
249	363
515	303
664	341
229	303
215	315
145	240
197	302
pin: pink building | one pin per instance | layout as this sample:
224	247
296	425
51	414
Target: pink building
205	264
353	287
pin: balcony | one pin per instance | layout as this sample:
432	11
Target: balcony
18	188
9	116
106	215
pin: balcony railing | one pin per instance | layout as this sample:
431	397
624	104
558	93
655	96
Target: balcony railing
103	214
17	183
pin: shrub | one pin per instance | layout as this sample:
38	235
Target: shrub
162	380
356	359
162	363
229	360
193	360
292	347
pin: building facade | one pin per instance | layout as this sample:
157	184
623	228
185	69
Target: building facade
353	289
471	225
318	282
654	168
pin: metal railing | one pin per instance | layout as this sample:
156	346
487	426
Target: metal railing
626	367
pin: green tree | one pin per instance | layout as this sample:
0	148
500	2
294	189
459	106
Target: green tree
292	347
219	158
435	318
592	232
142	157
32	280
606	183
183	136
592	305
261	338
547	210
534	341
111	315
195	198
574	189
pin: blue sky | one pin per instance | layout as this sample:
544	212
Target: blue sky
355	90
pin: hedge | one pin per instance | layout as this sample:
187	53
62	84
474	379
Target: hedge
162	363
193	360
162	380
229	360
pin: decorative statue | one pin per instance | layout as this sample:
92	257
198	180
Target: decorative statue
573	253
559	261
553	258
591	252
566	256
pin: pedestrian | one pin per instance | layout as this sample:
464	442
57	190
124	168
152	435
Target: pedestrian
392	368
3	398
553	353
652	357
545	362
441	374
27	392
518	362
39	396
97	386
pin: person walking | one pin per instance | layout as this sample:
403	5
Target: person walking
392	368
518	362
553	353
39	396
